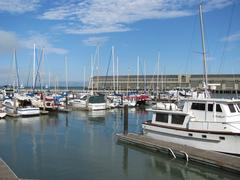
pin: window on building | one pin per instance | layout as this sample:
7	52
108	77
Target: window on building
218	108
178	119
198	106
162	118
231	108
210	107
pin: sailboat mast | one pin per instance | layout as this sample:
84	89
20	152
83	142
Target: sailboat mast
34	65
145	76
113	60
49	80
137	74
158	63
84	78
16	68
204	49
66	73
92	65
117	74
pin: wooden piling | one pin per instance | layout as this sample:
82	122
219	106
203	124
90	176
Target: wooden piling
66	102
125	124
14	105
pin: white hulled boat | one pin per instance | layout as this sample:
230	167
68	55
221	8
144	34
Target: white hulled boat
210	124
80	103
96	102
21	105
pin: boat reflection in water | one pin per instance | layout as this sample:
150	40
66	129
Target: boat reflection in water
162	166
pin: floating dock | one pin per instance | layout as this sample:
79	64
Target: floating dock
221	160
6	172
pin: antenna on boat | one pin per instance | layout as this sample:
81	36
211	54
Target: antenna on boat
205	85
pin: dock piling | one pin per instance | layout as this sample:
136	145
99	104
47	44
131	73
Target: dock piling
125	128
14	105
44	102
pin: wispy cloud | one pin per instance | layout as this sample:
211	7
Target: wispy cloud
102	16
94	41
10	40
42	41
232	37
18	6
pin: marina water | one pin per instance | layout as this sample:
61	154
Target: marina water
82	145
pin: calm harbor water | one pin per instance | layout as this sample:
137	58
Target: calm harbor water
82	145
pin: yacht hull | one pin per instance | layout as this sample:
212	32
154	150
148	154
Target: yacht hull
31	111
96	106
2	114
213	141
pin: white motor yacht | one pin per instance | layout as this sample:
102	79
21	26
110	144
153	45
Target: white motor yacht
210	124
96	102
20	105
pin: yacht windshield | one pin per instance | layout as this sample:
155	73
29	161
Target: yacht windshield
231	108
238	105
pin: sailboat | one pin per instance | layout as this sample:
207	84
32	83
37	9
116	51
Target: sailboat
206	123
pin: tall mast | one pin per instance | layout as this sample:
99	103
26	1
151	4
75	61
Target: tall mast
49	80
34	65
137	73
66	72
92	74
84	77
117	74
204	50
16	68
145	76
42	72
97	68
158	62
113	60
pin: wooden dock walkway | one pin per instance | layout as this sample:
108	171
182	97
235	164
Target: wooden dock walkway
5	172
224	161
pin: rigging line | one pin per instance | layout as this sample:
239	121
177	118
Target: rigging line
17	70
29	73
227	35
37	77
110	58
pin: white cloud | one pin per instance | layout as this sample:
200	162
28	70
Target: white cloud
10	40
18	6
94	41
42	41
232	37
101	16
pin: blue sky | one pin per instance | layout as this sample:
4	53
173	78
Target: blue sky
135	28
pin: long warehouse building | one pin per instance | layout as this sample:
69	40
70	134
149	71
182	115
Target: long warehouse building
222	82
